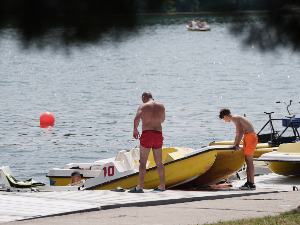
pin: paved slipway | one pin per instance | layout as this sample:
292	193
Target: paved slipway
274	195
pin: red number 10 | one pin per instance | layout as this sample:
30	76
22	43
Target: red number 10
110	171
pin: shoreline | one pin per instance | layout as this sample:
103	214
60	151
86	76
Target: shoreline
166	14
197	13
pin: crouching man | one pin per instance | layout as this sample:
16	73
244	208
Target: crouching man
243	128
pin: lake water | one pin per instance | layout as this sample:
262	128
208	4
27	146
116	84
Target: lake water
95	91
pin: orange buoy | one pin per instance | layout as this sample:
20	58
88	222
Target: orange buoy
47	117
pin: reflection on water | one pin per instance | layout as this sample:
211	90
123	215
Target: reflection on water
94	93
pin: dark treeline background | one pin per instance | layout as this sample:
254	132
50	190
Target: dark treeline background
171	6
59	23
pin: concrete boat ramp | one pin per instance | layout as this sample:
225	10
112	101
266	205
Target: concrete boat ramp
18	204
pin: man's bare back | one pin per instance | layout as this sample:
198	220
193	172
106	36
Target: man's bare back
152	114
243	124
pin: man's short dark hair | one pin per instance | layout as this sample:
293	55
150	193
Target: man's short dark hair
147	94
224	112
75	173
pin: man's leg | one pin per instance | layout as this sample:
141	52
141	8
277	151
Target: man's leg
144	152
250	168
157	153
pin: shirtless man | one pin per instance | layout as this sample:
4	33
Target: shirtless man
243	128
153	115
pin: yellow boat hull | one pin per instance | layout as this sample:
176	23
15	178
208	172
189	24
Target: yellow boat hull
62	181
261	148
227	162
285	161
176	171
284	168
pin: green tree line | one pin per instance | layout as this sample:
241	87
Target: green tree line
169	6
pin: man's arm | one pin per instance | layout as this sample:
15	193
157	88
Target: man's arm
136	122
239	132
238	137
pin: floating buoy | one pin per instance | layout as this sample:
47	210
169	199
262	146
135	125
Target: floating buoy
47	125
47	118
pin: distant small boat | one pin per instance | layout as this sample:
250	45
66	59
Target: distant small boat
207	28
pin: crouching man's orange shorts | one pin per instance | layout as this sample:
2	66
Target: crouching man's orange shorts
151	139
249	143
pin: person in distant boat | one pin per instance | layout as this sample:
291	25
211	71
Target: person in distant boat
243	128
76	179
192	23
198	23
203	24
153	115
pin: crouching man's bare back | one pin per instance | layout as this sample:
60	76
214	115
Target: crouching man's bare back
153	115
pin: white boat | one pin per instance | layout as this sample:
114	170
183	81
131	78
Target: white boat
285	161
206	28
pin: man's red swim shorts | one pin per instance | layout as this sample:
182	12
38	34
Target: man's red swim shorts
151	139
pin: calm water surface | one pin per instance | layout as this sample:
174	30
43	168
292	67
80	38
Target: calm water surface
95	91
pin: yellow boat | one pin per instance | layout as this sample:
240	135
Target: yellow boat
285	161
261	148
228	162
181	165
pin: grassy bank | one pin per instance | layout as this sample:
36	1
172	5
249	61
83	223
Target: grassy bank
290	218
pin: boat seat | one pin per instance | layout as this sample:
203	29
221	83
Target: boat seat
173	156
130	158
126	157
10	181
23	184
165	152
3	171
135	152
